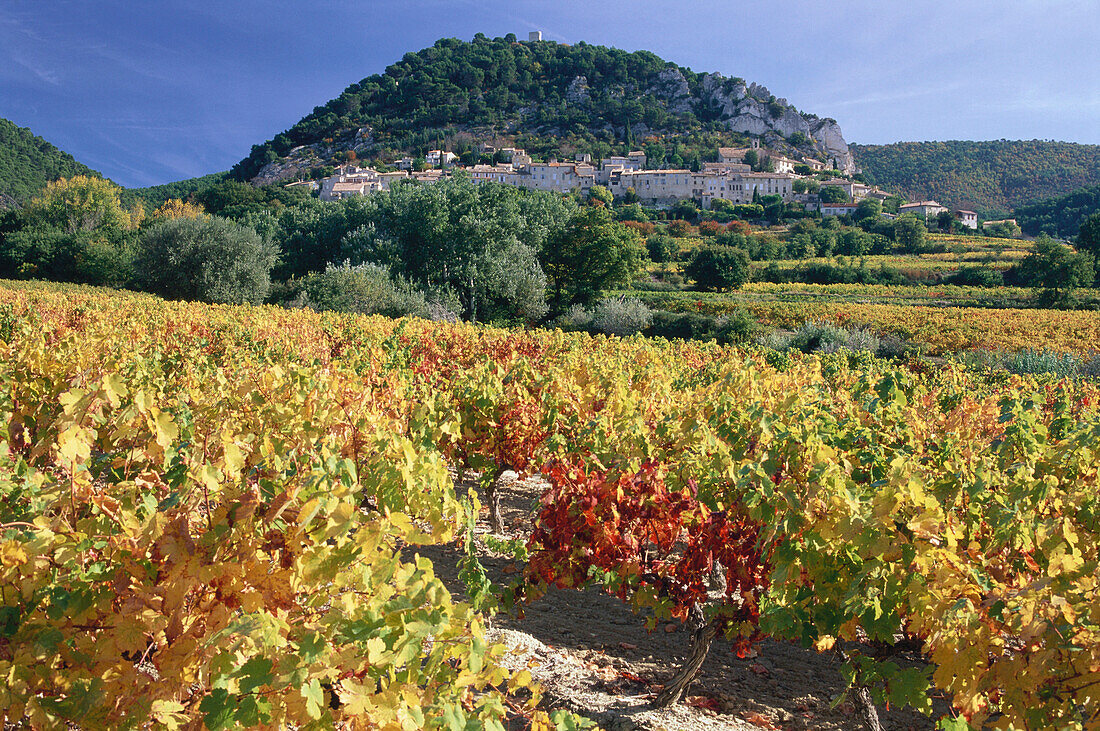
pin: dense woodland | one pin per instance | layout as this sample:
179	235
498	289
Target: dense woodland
1061	216
992	178
28	162
501	86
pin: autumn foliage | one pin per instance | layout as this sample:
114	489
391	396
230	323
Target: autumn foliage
657	545
209	515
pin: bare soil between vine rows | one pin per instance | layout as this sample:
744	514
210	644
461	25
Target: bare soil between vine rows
594	656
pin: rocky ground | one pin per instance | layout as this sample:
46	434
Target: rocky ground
595	657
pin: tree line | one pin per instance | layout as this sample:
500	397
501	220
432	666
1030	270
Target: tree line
452	249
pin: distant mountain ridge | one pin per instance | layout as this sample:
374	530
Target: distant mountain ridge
28	163
553	99
991	177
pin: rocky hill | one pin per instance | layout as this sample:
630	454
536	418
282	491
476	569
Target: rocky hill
992	177
552	99
28	162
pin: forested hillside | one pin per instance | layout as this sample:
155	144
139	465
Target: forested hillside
547	97
992	177
1062	215
28	162
154	195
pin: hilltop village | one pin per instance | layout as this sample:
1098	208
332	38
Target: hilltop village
740	175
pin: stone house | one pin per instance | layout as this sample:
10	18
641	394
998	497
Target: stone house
739	187
558	177
838	209
435	158
492	173
967	218
659	187
924	209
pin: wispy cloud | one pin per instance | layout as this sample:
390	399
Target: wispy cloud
888	96
40	72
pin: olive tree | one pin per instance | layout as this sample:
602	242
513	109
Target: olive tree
719	267
206	259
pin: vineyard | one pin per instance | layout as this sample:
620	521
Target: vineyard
211	516
936	331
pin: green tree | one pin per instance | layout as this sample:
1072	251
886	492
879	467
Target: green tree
631	212
685	210
853	242
367	289
76	230
801	246
208	259
80	203
602	194
1088	238
718	267
910	233
478	240
1055	268
661	248
833	194
590	255
28	163
945	221
868	208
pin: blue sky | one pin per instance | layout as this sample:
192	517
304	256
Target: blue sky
159	90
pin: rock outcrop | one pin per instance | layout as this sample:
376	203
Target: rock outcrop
577	93
754	110
671	86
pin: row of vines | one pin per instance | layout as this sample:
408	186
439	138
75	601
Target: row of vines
210	515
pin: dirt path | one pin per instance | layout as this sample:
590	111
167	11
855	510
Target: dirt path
594	656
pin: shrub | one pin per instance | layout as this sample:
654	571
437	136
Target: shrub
1028	361
621	316
681	228
645	228
773	340
977	276
818	336
575	318
863	340
661	248
209	259
655	285
740	327
366	289
1090	367
682	325
711	228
